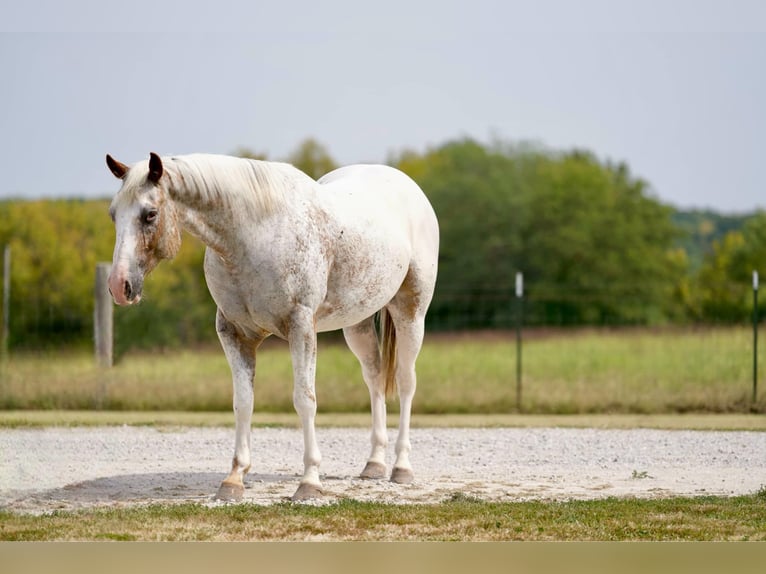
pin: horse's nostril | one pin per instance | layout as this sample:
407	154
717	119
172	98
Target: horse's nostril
128	290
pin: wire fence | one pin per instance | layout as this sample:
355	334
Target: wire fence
33	323
536	348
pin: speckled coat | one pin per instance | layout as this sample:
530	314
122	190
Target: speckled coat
289	256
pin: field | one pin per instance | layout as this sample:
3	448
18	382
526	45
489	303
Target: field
626	371
621	379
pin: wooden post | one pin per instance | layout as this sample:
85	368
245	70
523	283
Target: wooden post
102	316
5	335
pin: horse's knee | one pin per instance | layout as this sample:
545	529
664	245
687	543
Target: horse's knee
304	401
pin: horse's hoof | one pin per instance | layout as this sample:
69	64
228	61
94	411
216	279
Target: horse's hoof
307	491
373	471
230	491
402	476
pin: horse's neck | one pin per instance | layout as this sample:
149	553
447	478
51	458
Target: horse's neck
202	227
218	217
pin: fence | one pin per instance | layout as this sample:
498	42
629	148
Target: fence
524	344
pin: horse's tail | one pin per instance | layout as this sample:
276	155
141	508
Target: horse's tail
388	350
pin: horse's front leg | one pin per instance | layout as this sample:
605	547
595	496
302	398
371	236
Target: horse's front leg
303	350
240	352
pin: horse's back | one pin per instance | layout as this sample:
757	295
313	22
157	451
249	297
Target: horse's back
383	192
372	181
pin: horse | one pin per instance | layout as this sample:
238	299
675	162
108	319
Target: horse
290	256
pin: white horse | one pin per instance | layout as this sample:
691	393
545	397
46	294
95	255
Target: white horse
290	256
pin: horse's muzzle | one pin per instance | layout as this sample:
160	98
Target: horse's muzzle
124	290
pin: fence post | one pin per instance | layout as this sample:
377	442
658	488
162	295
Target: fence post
5	335
519	318
102	316
755	337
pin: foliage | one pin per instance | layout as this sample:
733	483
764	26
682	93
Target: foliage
724	282
250	154
700	229
54	249
312	158
595	248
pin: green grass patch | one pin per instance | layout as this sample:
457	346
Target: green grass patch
570	372
458	518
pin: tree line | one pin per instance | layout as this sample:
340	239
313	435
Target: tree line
595	245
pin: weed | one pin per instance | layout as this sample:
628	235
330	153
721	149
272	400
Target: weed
638	475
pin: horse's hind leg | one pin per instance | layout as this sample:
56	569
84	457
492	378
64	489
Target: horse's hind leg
408	312
409	339
363	342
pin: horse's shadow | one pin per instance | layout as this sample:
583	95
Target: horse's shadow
148	487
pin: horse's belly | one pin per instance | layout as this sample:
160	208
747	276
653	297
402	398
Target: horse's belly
355	293
331	319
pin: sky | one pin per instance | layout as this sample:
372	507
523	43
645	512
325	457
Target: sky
676	89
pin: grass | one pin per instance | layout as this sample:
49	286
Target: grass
459	518
583	372
171	419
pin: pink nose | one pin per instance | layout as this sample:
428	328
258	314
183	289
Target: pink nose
122	290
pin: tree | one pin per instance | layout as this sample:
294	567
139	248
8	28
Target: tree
246	152
55	246
312	158
593	245
599	243
723	284
700	228
475	196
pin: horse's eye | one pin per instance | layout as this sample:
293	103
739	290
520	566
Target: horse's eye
149	216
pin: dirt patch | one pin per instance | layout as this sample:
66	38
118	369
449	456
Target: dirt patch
42	470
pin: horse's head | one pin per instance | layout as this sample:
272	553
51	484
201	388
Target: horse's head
146	224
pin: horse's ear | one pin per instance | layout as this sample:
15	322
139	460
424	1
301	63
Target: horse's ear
118	169
155	167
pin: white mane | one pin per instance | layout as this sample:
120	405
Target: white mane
257	187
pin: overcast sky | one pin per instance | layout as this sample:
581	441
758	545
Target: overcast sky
676	89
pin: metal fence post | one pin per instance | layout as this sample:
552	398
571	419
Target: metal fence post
519	320
755	336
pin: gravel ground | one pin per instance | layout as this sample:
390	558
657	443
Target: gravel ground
42	470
